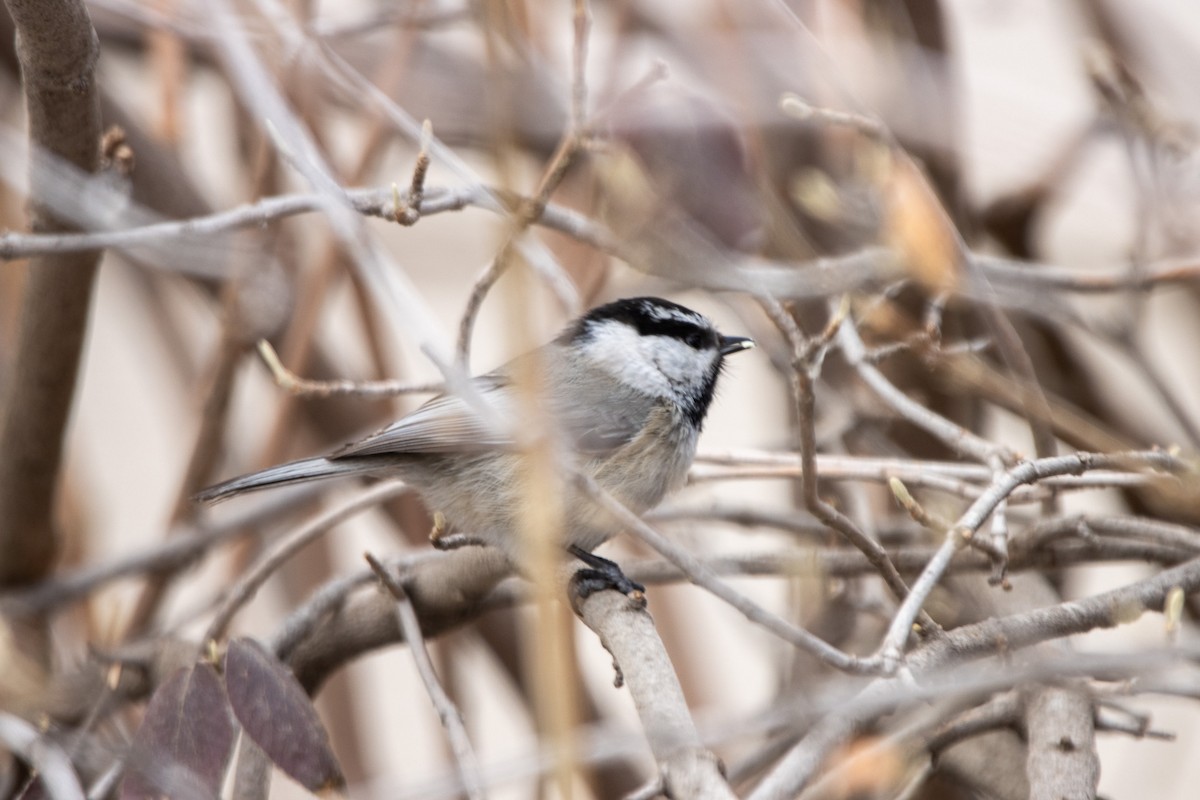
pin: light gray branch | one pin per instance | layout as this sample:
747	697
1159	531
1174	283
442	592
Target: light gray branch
1062	763
47	758
960	533
954	436
962	645
702	576
626	630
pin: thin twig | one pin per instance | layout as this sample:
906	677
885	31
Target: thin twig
920	515
376	202
797	108
1115	718
999	537
293	384
806	356
532	209
702	576
1001	711
965	527
250	582
911	471
951	434
179	549
534	252
465	761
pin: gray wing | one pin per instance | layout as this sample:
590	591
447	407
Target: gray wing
596	416
445	424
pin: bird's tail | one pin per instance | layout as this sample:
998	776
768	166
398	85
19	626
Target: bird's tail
306	469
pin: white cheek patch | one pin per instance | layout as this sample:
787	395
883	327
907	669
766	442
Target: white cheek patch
617	349
661	366
682	365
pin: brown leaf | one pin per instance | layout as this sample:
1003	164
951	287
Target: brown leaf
867	766
918	228
277	714
185	740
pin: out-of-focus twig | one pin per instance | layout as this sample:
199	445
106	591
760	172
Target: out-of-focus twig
464	755
294	384
180	549
699	574
48	760
57	49
250	582
565	154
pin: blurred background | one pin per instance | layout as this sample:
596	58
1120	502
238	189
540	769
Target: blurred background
711	152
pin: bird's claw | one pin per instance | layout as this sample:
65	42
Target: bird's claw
600	574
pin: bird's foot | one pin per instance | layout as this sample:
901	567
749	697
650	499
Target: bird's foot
442	537
600	574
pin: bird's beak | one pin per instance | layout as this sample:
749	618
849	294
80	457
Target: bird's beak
735	344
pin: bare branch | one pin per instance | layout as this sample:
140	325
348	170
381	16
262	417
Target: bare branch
181	548
966	526
954	436
700	575
913	472
970	642
49	762
1003	710
1104	610
57	49
410	627
303	387
1059	728
627	631
446	589
806	358
249	583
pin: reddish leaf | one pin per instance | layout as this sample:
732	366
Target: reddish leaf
277	714
185	740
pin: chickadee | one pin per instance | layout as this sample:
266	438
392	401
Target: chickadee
627	386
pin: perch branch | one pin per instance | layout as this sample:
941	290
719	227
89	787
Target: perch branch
626	630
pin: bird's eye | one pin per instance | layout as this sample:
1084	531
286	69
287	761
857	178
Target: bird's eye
694	340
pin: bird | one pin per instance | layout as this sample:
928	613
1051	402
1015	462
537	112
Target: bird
627	387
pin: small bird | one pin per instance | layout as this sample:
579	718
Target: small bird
627	385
